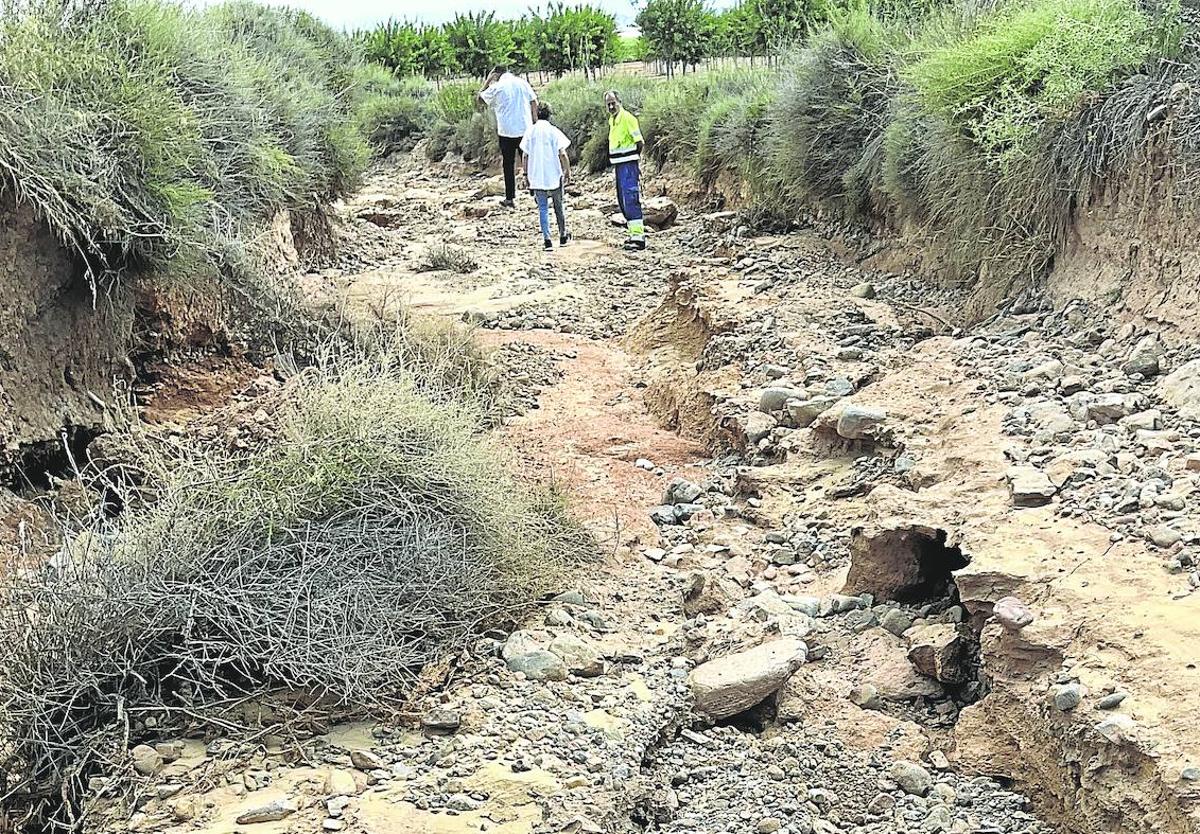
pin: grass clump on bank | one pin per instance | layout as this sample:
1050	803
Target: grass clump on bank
321	573
144	134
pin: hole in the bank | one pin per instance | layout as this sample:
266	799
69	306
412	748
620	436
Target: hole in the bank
38	464
910	565
936	563
754	720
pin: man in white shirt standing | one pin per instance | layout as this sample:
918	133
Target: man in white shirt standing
515	104
547	170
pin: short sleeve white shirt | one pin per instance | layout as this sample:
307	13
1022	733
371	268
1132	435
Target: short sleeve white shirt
509	99
542	144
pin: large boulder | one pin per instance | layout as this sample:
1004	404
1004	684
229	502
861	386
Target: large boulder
580	655
859	422
659	212
1181	388
1030	486
1145	356
776	397
732	684
939	652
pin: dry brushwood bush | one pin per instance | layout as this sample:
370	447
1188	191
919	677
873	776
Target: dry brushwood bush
443	256
373	537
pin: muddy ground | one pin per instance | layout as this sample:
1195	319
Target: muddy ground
776	444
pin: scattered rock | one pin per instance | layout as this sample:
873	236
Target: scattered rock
365	760
1030	486
937	651
441	721
682	491
1012	613
1068	696
775	397
801	413
732	684
146	760
340	782
866	695
539	665
911	777
271	812
897	621
1116	728
863	290
857	422
579	655
1145	356
1112	701
659	212
1181	389
1164	535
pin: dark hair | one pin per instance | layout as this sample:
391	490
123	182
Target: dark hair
544	111
499	69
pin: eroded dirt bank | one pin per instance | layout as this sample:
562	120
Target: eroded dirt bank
776	446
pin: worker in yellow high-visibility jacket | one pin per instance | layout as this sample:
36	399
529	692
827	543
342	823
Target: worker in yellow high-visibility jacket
624	152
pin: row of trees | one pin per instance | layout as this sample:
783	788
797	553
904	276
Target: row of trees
558	40
687	31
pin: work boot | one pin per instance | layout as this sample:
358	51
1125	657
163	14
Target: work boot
563	238
507	204
547	245
635	245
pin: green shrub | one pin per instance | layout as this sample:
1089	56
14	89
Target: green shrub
392	114
829	115
733	135
1029	63
144	134
455	103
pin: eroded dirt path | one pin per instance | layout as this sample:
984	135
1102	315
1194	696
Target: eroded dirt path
771	450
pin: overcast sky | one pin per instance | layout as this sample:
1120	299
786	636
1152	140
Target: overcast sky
355	13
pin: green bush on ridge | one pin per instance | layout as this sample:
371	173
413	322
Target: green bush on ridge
143	133
1027	63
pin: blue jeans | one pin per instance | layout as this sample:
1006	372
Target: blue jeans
629	198
544	197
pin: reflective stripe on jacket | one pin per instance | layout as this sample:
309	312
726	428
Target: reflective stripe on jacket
623	137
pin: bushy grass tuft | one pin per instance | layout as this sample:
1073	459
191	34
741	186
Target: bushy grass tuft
375	534
830	113
447	257
392	113
142	133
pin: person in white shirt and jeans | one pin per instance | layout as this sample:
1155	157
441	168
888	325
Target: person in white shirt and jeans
515	104
547	170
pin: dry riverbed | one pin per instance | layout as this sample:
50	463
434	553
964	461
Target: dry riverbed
780	451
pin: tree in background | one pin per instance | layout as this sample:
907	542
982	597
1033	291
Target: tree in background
435	58
578	38
395	45
479	42
525	54
677	31
783	23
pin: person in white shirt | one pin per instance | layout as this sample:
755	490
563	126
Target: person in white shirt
515	104
547	170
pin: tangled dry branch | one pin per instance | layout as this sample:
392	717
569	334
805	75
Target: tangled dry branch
376	535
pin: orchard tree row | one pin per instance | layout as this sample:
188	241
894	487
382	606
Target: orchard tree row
557	40
688	31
